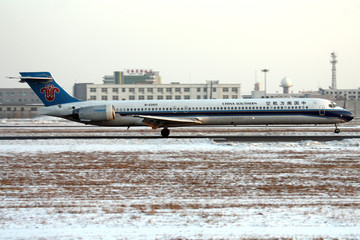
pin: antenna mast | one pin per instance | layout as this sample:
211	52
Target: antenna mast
333	70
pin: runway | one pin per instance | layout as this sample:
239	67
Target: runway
216	138
52	129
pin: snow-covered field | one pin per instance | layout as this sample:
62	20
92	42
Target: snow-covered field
176	188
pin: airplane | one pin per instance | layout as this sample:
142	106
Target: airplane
167	114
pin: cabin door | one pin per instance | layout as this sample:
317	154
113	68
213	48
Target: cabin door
322	110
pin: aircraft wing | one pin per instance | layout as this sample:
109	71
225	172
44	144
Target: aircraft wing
159	121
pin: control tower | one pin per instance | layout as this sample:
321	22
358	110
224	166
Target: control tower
333	62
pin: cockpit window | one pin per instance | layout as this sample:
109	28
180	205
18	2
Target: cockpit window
332	105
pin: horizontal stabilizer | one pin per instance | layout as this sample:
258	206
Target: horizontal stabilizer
40	79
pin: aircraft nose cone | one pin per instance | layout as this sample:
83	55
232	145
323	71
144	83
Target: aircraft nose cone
349	116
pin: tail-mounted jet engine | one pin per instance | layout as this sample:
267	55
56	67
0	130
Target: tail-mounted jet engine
95	113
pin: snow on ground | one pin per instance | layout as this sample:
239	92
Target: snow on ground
178	188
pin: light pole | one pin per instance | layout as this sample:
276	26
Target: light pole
265	71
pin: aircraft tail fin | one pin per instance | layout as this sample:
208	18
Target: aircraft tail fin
45	87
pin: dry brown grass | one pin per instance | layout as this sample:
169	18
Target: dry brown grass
51	180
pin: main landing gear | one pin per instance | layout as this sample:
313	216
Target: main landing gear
336	129
165	132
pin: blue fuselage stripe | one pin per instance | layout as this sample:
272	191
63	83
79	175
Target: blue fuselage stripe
229	113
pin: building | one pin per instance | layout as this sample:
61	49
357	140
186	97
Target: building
133	76
18	96
172	91
19	111
340	94
79	90
19	103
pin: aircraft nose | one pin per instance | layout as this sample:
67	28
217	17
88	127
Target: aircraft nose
348	116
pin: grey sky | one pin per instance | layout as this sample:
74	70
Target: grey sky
187	41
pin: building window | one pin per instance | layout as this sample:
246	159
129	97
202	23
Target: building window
160	90
124	90
205	89
141	90
177	89
150	90
131	97
92	89
234	96
177	97
234	89
198	89
187	97
198	97
214	89
92	97
115	90
225	97
141	97
168	90
34	109
115	98
104	98
132	90
168	97
160	97
186	89
150	97
225	89
104	90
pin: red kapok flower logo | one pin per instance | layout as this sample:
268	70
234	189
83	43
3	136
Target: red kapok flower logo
49	91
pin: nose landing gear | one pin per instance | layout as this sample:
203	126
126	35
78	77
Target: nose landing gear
337	130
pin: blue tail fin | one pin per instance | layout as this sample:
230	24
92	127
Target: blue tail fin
45	87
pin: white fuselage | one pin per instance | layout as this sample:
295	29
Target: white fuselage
216	112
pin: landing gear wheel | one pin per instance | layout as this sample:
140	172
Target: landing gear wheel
165	132
336	129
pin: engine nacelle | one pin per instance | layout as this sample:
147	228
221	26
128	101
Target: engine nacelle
95	113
